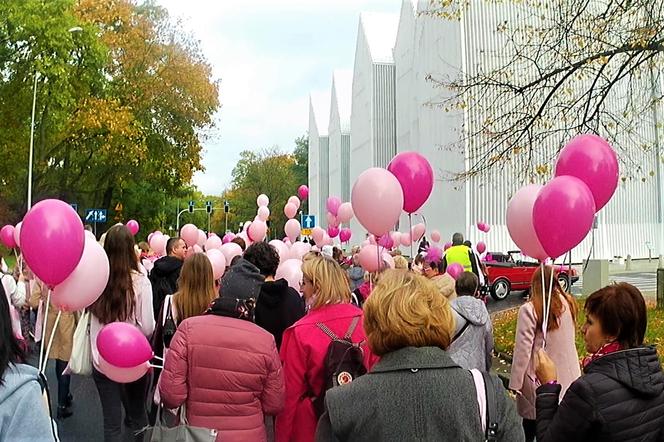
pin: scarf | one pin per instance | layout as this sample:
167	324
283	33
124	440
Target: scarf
233	308
608	348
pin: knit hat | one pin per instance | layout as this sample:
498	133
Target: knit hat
241	281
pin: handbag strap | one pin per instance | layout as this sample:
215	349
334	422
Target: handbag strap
491	432
333	336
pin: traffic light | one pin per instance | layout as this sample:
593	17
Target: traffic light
208	206
227	206
191	207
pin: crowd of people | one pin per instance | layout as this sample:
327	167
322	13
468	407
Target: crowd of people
404	353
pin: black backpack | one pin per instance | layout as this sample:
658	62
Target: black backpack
169	325
343	363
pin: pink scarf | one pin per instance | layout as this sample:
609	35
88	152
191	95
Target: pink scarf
608	348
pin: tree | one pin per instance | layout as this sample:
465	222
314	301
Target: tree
301	166
564	67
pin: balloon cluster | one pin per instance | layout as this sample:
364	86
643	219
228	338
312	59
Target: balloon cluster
548	221
338	213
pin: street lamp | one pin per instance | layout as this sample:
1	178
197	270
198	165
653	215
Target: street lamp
32	126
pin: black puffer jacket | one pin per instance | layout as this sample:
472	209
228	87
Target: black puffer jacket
278	307
164	279
619	398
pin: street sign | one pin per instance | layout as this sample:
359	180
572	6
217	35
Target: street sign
74	206
95	215
308	221
305	232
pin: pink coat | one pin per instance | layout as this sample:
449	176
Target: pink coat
228	373
559	346
303	351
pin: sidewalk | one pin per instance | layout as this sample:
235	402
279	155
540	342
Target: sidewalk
638	266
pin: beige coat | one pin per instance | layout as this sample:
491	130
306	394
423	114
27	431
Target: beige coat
64	334
559	346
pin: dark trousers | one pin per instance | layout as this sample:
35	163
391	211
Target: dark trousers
529	428
114	396
63	382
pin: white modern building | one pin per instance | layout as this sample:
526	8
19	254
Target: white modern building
339	134
393	109
318	163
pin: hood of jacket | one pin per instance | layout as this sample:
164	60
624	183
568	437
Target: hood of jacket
166	266
356	273
16	377
638	369
469	309
242	281
274	293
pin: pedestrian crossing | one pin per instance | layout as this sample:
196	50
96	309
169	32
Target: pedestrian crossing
645	282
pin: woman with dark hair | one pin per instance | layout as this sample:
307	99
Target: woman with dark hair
126	298
620	396
23	414
560	336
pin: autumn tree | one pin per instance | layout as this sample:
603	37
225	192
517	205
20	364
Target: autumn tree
558	68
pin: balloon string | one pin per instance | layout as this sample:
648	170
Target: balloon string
544	317
410	226
50	341
41	349
158	358
156	366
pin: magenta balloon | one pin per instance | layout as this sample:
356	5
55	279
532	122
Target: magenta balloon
435	236
291	271
418	231
262	200
290	210
7	236
318	233
345	213
386	241
487	227
563	214
86	283
17	233
333	204
520	222
345	234
123	375
292	229
228	238
481	247
189	233
218	261
592	160
294	201
230	251
415	176
377	200
257	231
303	192
123	345
454	270
332	220
133	226
213	242
53	239
263	213
333	231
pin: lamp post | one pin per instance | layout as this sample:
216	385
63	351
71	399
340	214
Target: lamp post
32	126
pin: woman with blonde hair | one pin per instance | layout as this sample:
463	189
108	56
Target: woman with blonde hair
416	391
305	345
560	346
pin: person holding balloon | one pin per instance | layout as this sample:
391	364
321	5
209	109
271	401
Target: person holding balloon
127	298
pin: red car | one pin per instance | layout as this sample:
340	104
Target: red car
511	271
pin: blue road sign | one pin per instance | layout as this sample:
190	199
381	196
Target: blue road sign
95	215
308	221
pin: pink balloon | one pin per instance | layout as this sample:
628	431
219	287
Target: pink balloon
299	249
371	259
282	249
435	236
17	233
415	176
405	239
230	251
290	210
333	204
388	260
257	231
318	233
246	226
447	245
245	238
189	233
53	239
365	243
481	247
332	220
227	238
158	244
333	231
377	200
86	283
592	160
520	222
345	234
287	241
372	240
481	226
213	242
123	375
454	270
386	241
345	213
263	213
123	345
133	226
7	236
294	201
563	214
291	271
201	238
303	192
418	231
396	238
262	200
196	249
153	234
218	261
292	229
487	227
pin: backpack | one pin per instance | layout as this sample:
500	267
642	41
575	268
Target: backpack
169	325
161	287
344	361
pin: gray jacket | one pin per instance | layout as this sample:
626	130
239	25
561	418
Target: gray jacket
473	347
413	394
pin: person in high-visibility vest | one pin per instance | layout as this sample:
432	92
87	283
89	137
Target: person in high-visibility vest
460	254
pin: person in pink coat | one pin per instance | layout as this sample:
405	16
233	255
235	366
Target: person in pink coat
560	345
226	370
304	346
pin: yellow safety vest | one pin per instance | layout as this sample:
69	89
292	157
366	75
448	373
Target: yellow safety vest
460	255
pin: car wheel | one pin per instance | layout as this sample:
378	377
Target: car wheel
563	280
500	289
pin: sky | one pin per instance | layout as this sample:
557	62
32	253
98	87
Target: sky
270	55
